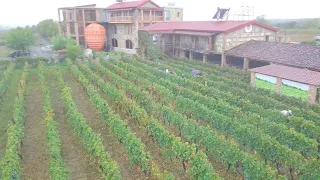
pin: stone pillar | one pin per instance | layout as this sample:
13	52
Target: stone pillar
223	60
182	54
312	94
278	85
97	15
190	55
150	16
204	58
68	23
245	64
253	79
210	43
141	14
76	28
59	23
84	26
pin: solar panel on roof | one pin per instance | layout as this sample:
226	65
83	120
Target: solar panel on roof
221	13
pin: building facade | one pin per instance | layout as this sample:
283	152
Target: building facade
122	21
207	40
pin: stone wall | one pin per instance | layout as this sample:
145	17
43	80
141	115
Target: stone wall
123	35
174	13
241	36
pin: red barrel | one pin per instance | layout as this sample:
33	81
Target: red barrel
95	36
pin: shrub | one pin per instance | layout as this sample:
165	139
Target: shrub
20	61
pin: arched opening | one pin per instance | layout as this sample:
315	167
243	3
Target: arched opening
114	42
129	44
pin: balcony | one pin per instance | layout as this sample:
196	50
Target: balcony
123	19
197	47
153	18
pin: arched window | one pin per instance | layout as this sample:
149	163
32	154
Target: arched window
129	44
114	42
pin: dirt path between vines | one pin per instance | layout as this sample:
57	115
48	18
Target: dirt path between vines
76	158
35	156
111	143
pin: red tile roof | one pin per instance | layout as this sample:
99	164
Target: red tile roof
204	26
304	76
130	4
297	55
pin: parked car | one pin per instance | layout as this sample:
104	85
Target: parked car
317	38
15	54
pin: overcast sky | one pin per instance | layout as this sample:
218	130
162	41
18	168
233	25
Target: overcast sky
32	11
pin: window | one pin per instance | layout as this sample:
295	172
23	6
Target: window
114	29
178	14
167	15
114	42
129	44
267	37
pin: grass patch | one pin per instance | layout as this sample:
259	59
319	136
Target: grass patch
294	92
265	85
299	35
285	90
4	51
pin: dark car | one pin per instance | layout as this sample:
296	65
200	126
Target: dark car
15	54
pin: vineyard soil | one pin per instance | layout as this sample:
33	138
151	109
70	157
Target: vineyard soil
34	149
113	146
76	158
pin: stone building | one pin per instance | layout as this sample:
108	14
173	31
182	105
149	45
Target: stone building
207	40
122	21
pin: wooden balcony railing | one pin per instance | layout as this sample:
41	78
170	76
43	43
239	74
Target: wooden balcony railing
191	46
153	18
121	19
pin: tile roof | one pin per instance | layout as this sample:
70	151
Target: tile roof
304	76
131	4
204	26
298	55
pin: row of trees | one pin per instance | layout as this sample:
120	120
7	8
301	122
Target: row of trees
21	38
291	24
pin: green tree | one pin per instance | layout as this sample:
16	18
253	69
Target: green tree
262	19
73	50
312	23
19	38
48	28
60	42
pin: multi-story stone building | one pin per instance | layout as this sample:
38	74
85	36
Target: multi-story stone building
122	21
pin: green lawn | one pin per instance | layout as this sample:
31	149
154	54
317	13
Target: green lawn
265	85
294	92
4	52
285	90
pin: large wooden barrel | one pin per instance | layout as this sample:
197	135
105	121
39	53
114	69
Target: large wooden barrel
95	36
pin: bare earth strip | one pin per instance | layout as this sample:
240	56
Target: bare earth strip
112	145
6	109
35	157
74	155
